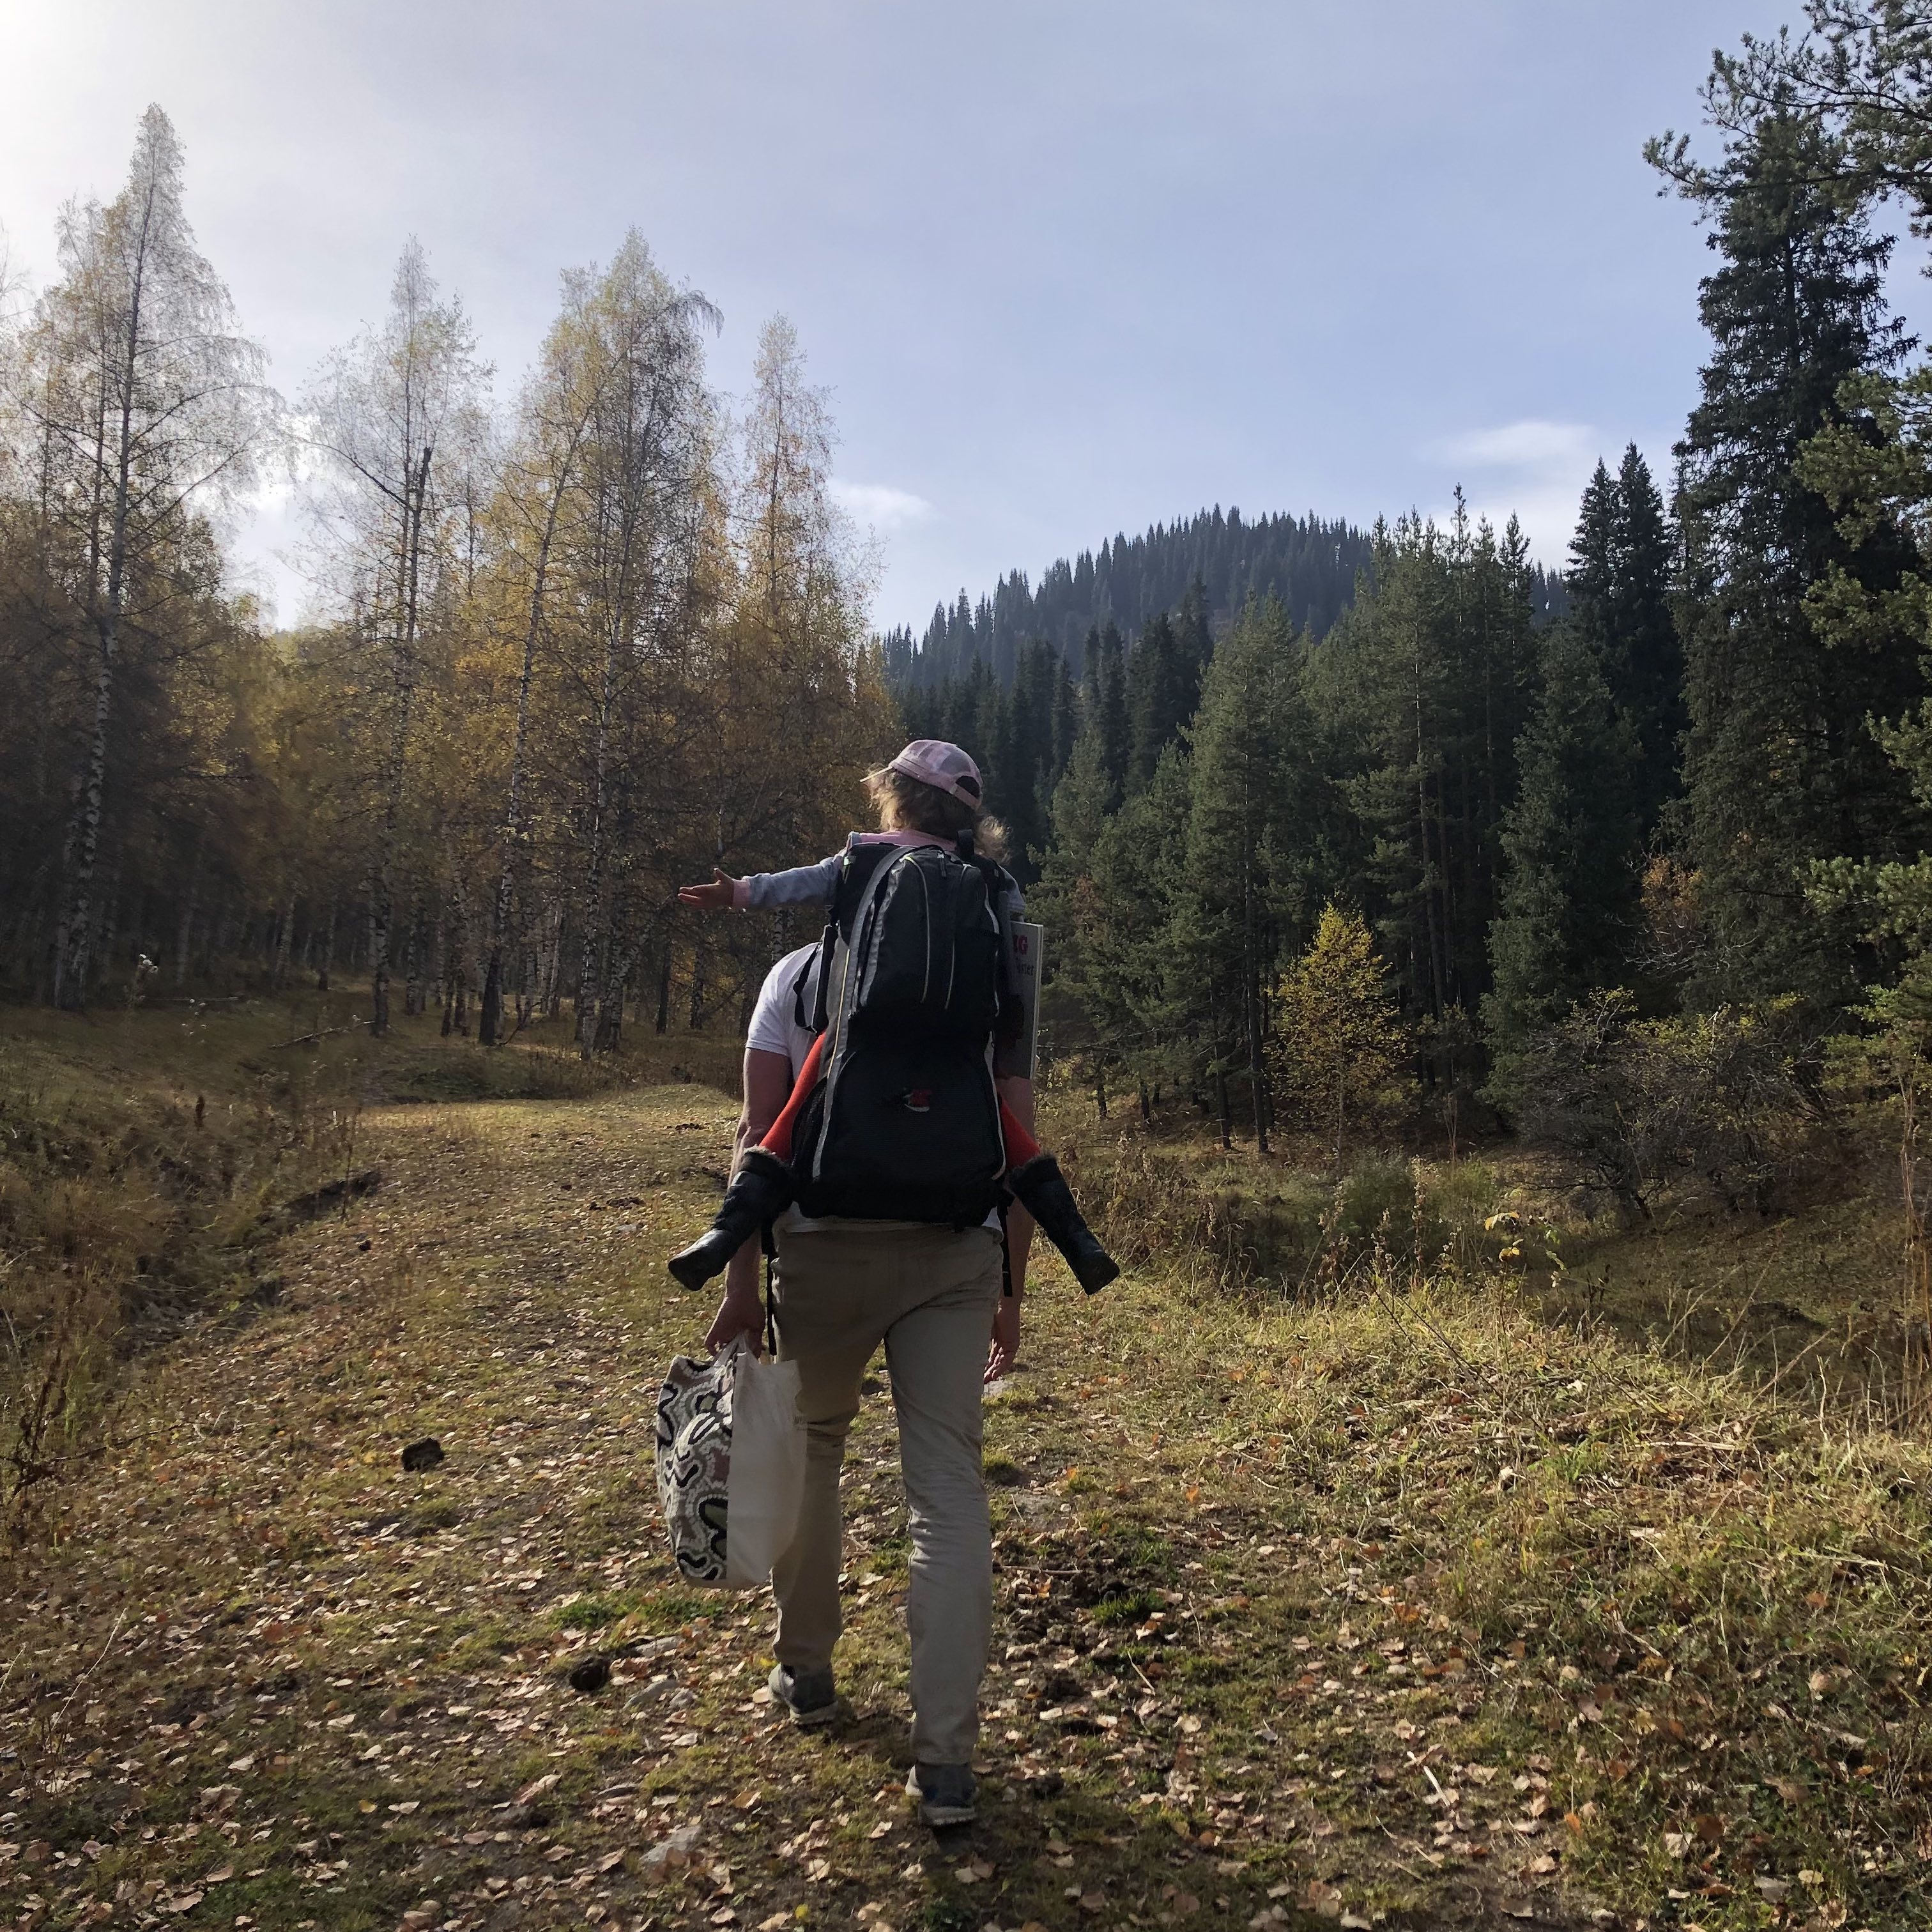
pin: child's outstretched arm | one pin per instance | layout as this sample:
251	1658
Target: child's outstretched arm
764	892
720	895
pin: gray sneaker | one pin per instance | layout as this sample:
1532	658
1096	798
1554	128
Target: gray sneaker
808	1695
946	1793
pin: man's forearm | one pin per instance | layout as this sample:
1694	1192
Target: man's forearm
1019	1244
741	1272
1018	1094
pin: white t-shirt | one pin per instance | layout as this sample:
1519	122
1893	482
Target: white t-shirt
776	1026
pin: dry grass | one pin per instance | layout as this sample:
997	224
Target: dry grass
1396	1603
1810	1302
126	1210
147	1158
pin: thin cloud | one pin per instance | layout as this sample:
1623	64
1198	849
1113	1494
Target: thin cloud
1533	469
881	505
1532	445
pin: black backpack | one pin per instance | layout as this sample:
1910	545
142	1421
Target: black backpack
915	982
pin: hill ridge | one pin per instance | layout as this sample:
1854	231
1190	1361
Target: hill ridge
1311	563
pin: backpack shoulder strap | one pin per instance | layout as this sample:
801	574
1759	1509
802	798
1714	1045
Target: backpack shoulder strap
798	1012
1001	888
821	1011
862	859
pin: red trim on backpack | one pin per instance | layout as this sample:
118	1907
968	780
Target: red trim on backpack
1021	1145
778	1136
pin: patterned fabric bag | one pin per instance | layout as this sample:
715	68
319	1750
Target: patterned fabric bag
730	1463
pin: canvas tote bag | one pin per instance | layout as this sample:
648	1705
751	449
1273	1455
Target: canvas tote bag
731	1466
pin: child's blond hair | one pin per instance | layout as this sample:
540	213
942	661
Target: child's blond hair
910	804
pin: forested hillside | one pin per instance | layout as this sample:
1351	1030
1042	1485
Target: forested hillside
1309	564
1310	567
561	628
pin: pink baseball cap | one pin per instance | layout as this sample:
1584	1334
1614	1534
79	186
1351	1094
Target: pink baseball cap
945	767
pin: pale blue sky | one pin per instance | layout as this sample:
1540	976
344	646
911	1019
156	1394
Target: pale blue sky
1068	268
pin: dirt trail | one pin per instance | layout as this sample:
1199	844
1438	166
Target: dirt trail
266	1677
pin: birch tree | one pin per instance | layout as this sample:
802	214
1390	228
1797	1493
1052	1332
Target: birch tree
399	422
532	700
533	495
634	565
147	404
792	669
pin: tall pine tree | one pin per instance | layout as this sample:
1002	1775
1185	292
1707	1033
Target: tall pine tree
1569	896
1161	698
1421	692
1781	768
1194	639
1248	846
1108	717
1115	935
1642	654
1619	582
1596	763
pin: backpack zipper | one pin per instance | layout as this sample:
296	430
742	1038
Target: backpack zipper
925	893
861	915
951	956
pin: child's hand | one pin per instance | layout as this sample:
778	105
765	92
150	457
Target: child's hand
719	896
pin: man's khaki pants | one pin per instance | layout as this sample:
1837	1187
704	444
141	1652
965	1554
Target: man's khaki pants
929	1294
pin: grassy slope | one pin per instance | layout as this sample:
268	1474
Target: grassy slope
147	1159
1807	1300
1415	1605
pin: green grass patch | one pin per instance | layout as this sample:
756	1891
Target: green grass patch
592	1612
674	1606
949	1914
485	1642
1131	1607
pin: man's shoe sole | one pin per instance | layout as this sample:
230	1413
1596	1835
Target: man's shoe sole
808	1718
940	1816
937	1815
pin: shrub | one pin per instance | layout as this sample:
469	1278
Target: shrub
1376	1202
1462	1201
1727	1099
1287	1224
1152	1209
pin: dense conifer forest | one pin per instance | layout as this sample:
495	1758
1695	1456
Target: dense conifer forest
1659	820
1310	566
